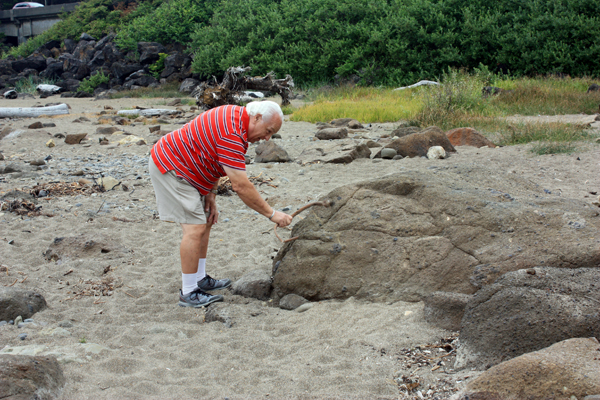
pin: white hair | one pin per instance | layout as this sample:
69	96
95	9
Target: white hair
265	108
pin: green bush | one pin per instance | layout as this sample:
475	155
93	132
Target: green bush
158	67
90	84
170	22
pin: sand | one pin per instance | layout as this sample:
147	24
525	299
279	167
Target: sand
136	343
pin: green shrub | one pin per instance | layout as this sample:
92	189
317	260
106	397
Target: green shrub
158	67
90	84
30	83
169	22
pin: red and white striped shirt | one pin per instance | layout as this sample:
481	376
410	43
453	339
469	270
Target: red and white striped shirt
198	151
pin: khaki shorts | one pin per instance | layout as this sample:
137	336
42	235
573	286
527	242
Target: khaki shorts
176	199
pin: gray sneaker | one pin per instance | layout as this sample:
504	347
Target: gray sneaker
207	283
197	298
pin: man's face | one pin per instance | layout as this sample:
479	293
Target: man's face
258	129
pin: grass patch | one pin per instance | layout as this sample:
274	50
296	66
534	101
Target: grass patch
553	148
30	83
365	104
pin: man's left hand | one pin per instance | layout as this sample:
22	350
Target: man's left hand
210	206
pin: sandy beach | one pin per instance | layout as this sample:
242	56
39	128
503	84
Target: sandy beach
113	320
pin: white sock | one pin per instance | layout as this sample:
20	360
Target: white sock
188	283
201	269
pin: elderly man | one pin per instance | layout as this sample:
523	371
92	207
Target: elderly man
185	168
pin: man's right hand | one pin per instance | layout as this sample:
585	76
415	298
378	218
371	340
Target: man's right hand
281	219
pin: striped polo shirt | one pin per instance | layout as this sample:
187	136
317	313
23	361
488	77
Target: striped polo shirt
198	151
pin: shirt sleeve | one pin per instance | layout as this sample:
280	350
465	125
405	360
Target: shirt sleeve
231	152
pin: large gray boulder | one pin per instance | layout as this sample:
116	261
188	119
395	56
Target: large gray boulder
566	370
15	302
27	377
409	234
527	310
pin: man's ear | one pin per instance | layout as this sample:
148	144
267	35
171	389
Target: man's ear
258	117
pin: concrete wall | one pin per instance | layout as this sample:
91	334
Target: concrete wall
26	22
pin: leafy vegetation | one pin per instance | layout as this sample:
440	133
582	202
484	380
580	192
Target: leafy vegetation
90	84
30	83
389	43
158	67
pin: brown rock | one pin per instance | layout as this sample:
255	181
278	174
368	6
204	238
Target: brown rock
417	144
409	234
106	130
154	128
372	144
269	151
255	284
27	377
338	152
1	156
332	133
174	102
405	131
468	137
36	125
74	138
6	131
565	369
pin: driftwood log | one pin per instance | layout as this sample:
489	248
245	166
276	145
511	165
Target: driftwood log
235	83
149	112
24	112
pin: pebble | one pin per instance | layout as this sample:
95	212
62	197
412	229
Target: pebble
22	336
2	323
28	320
65	324
18	320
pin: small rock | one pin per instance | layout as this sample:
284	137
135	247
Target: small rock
1	157
36	125
59	135
108	182
304	307
11	94
18	320
154	128
332	133
174	102
2	323
255	284
106	130
371	144
436	152
39	162
50	124
74	138
65	324
218	312
22	336
79	172
388	153
276	136
398	157
291	301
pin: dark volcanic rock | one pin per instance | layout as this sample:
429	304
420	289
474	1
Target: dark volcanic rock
417	144
255	284
445	309
15	302
527	310
407	235
149	52
27	377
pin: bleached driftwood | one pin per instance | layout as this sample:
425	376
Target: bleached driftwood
149	112
234	86
26	112
420	83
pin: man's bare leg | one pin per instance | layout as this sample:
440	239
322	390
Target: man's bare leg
194	246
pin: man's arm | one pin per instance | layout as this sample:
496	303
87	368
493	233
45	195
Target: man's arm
250	196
